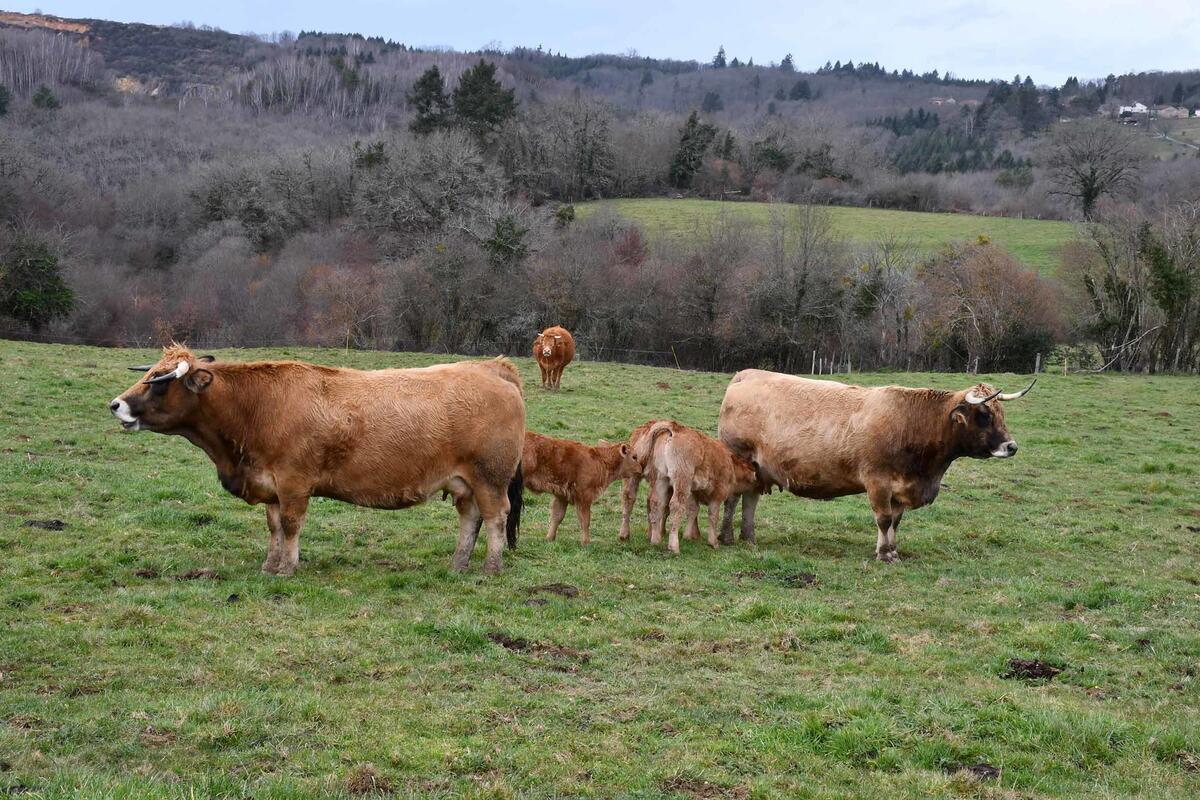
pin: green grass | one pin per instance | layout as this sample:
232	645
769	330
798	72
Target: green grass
710	674
1036	243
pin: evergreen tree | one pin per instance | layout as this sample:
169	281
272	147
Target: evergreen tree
1177	95
779	94
5	99
32	289
694	141
735	63
712	102
44	98
800	91
480	102
428	97
718	61
647	78
728	147
787	65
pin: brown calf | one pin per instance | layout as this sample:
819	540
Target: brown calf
690	468
576	474
553	348
280	432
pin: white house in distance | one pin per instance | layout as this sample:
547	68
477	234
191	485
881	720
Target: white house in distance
1136	108
1172	112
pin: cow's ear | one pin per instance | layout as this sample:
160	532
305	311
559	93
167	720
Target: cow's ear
959	414
624	449
198	380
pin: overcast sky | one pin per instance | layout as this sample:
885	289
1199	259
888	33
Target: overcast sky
1048	39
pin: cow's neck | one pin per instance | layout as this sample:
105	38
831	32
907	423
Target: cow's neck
930	441
225	427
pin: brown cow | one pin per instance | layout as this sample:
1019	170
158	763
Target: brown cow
574	473
280	432
690	468
553	348
823	439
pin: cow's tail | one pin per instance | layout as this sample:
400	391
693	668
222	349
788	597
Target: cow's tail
516	497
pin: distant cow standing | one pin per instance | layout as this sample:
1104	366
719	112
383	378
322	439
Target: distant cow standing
823	439
280	432
553	348
575	473
690	469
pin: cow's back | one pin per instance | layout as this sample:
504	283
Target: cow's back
405	432
805	435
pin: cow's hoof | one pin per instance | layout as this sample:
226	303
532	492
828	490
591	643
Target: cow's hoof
460	566
286	570
269	568
491	568
890	557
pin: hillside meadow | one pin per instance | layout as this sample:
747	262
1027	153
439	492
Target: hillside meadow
143	655
1036	243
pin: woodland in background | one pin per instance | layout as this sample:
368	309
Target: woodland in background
349	191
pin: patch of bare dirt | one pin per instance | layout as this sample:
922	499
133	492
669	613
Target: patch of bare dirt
981	770
46	524
662	385
796	580
521	645
560	589
1188	762
154	736
1030	669
703	790
145	572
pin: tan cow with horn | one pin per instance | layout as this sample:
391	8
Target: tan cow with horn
823	439
280	432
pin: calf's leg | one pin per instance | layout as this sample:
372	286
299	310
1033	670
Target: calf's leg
714	516
629	493
656	509
583	510
558	510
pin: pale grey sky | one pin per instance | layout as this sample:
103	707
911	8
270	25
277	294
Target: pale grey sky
1049	39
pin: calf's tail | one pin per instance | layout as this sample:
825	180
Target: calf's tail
516	497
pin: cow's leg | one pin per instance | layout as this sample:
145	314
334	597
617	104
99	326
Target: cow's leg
556	377
275	542
656	510
629	493
885	518
542	367
749	504
891	536
583	510
292	510
727	521
714	519
469	520
558	510
493	505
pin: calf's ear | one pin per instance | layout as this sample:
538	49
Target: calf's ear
198	380
624	449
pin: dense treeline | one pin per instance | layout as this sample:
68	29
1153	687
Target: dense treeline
352	191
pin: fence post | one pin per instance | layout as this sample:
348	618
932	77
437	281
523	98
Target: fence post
1037	364
813	371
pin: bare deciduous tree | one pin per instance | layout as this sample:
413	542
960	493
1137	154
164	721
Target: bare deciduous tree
1089	159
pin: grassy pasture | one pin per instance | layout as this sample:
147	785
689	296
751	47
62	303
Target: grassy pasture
727	674
1036	243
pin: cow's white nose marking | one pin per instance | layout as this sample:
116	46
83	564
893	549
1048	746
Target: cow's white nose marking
120	410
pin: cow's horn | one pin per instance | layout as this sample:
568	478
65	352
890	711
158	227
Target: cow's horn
975	399
1020	394
179	372
146	368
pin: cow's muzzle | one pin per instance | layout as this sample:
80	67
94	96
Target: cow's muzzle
120	409
1006	450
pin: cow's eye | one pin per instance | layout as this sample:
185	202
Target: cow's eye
159	389
985	416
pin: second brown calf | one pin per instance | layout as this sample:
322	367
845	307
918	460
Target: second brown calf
688	469
574	473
